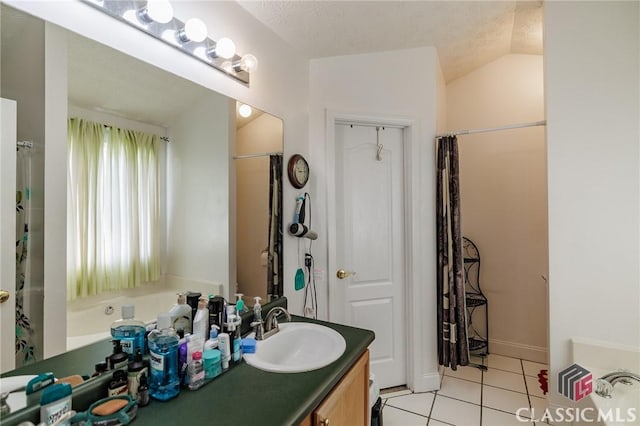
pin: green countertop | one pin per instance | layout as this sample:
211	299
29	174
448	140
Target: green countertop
243	395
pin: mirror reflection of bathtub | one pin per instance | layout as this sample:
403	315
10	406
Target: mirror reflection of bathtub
89	319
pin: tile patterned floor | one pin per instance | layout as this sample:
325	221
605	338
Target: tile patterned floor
472	397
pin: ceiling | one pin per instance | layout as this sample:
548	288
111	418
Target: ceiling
466	34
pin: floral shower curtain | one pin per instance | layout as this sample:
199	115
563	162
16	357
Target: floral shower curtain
24	332
453	346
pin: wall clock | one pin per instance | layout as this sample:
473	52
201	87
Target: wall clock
298	171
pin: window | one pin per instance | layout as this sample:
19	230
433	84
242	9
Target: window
112	208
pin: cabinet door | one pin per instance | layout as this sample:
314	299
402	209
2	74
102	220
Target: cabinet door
348	402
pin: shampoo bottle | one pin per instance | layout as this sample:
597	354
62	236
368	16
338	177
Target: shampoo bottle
201	321
163	355
181	315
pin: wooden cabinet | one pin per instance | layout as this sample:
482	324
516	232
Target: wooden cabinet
348	403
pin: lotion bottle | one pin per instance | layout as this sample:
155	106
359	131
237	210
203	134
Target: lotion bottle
212	342
225	350
201	321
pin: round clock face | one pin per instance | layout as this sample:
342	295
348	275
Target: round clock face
298	171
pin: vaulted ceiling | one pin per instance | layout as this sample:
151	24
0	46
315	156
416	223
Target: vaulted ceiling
466	34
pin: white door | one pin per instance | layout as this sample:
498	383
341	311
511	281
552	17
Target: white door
8	139
369	240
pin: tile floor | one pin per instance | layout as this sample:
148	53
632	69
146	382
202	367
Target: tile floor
472	397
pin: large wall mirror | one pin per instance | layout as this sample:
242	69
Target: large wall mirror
219	182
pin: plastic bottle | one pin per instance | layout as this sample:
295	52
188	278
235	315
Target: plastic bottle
233	328
118	359
136	369
193	298
129	331
225	350
196	371
212	364
143	391
163	355
241	308
212	342
118	385
181	314
201	321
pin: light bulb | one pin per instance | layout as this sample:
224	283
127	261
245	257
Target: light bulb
225	48
227	66
249	63
159	10
195	30
244	110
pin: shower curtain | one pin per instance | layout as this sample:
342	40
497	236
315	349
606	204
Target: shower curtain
24	332
453	346
275	261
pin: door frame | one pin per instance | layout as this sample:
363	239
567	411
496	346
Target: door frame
414	341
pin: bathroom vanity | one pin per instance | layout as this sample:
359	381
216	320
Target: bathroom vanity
243	395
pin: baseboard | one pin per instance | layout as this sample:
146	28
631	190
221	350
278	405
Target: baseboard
519	350
427	382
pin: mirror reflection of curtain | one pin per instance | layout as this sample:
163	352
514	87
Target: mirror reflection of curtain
113	208
25	346
275	261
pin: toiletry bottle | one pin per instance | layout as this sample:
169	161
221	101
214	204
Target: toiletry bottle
212	342
212	363
194	344
181	314
55	403
225	350
216	310
135	370
193	298
101	368
233	329
143	391
240	306
201	321
129	331
196	371
118	386
118	358
163	356
182	356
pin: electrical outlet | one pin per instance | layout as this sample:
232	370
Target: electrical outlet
318	274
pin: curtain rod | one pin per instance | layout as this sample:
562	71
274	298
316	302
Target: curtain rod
494	129
25	144
266	154
351	124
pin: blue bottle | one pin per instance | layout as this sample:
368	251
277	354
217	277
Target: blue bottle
163	357
130	332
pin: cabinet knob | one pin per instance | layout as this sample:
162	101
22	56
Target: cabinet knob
324	422
4	296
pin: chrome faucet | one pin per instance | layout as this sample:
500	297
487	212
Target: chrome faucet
605	384
271	321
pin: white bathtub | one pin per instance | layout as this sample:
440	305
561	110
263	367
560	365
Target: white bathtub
89	319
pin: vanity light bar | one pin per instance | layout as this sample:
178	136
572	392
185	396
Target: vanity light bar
172	31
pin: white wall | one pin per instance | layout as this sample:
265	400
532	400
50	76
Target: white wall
280	86
261	135
376	85
503	184
592	91
198	195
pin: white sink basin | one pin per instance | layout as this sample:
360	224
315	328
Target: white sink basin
297	347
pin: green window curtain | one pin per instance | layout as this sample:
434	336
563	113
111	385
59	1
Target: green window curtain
113	209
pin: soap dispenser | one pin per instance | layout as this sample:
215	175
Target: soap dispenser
212	342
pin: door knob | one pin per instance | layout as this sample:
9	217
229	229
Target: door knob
4	296
342	274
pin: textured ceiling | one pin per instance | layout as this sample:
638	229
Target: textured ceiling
466	34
